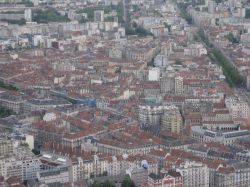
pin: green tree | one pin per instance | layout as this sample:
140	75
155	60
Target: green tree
127	182
16	22
5	112
178	62
49	15
233	76
36	151
96	184
107	183
231	38
8	86
167	26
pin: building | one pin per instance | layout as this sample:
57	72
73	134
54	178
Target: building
248	81
28	15
138	175
178	85
22	164
241	174
154	74
55	170
211	6
194	174
172	120
170	179
237	108
224	137
6	147
167	84
98	16
224	177
11	102
150	115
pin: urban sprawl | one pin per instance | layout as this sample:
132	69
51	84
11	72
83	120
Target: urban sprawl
124	93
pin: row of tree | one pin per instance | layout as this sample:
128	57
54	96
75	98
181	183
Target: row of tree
127	182
8	86
5	112
48	15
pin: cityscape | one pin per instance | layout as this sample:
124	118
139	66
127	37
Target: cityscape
124	93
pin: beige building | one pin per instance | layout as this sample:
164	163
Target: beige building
178	85
6	147
172	120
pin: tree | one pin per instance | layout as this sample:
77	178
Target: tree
107	183
36	151
233	76
8	86
96	184
48	15
5	112
231	38
167	26
127	182
178	62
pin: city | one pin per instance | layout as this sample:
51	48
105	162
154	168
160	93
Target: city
124	93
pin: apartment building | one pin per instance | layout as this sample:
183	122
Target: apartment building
6	147
194	174
22	163
172	120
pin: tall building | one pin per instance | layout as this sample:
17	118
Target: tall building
172	120
211	6
248	81
6	147
167	84
154	74
178	85
99	16
28	15
150	115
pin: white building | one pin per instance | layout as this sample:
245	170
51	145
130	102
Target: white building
22	163
194	174
195	50
226	137
28	15
154	74
237	108
161	60
178	85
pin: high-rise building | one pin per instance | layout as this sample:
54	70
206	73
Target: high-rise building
167	84
178	85
99	16
28	15
150	115
248	81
